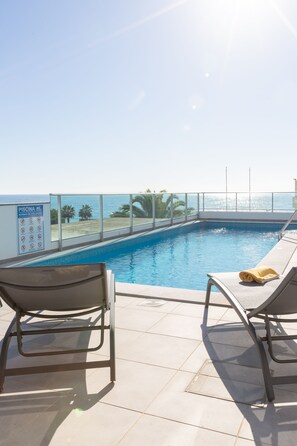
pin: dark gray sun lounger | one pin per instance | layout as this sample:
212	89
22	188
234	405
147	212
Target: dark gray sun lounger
272	301
58	294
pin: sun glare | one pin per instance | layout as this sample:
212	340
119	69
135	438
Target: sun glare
240	19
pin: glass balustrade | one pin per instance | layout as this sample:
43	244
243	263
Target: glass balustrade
116	211
143	209
83	215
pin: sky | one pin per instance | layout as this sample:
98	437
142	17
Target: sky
120	96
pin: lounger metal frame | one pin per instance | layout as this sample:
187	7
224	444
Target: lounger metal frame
262	312
16	329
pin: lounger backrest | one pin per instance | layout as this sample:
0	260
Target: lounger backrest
56	288
284	299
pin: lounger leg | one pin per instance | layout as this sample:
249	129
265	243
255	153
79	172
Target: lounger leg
112	342
209	285
266	375
264	364
4	352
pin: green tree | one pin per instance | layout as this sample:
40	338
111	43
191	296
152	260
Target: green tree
142	206
85	213
123	211
54	216
68	212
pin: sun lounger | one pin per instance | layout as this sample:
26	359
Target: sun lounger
273	301
64	295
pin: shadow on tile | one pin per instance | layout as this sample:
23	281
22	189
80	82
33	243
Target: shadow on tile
240	379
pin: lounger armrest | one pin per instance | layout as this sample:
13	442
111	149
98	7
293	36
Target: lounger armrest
110	284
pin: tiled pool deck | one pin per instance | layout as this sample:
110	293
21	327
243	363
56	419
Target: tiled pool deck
161	346
182	379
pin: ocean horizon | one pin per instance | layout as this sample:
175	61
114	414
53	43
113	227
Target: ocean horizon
23	198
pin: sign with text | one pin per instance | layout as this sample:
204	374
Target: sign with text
30	228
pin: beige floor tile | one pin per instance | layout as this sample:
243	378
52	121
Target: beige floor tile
233	372
244	442
22	413
165	351
198	310
233	334
180	326
131	288
175	293
123	340
230	316
196	359
52	380
228	389
4	324
124	301
100	424
221	352
150	431
176	404
137	319
136	384
151	304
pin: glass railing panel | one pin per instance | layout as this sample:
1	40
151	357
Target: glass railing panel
192	205
116	211
283	201
261	202
254	201
243	201
54	218
142	209
80	215
163	208
179	206
214	202
231	202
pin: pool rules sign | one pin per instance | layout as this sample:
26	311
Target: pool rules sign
30	228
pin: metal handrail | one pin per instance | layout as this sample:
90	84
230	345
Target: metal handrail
281	232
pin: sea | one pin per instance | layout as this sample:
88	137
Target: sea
242	201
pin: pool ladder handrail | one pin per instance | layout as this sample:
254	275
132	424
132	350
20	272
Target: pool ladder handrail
281	232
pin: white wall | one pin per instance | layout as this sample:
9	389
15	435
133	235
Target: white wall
9	231
261	216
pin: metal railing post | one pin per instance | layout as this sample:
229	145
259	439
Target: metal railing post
101	227
131	213
59	223
236	201
281	232
186	206
198	204
272	202
154	210
171	210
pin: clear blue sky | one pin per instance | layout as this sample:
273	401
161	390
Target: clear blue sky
124	95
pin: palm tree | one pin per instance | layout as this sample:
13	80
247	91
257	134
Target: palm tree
123	211
85	213
142	206
68	212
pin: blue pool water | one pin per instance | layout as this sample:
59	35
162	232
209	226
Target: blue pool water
180	257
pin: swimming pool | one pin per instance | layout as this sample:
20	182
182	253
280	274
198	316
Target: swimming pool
180	257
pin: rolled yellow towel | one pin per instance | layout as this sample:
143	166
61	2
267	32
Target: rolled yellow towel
260	274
